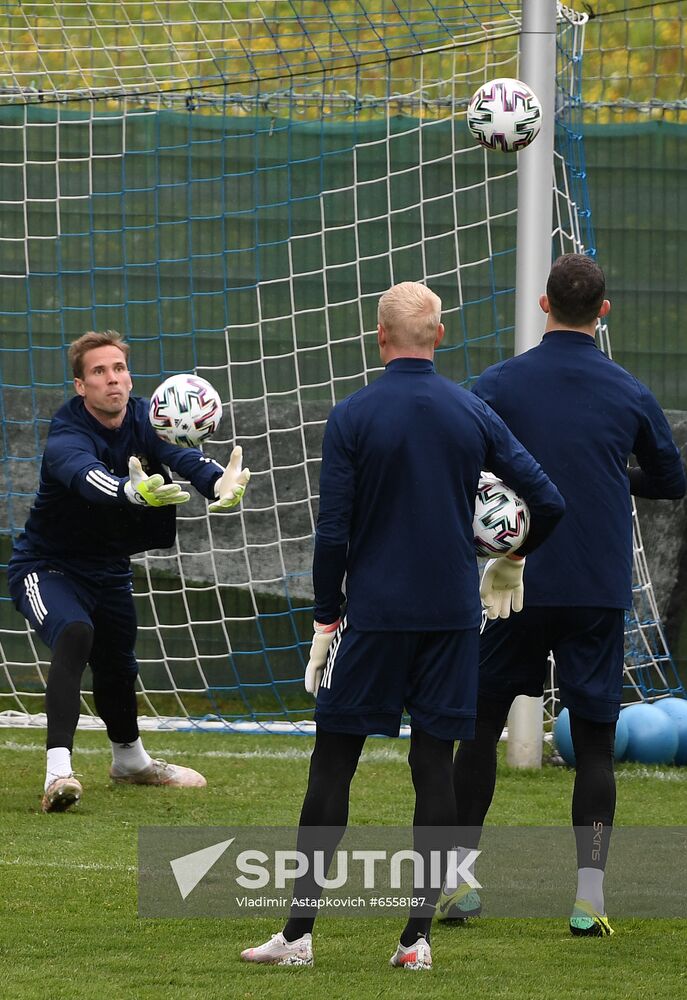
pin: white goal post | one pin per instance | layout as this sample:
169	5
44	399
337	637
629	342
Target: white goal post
533	261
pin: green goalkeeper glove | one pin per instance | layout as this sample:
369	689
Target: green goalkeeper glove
151	491
231	485
502	588
321	641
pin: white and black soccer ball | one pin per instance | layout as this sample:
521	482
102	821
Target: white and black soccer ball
502	518
504	114
185	410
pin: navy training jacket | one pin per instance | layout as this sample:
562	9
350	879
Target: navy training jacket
581	415
401	460
80	515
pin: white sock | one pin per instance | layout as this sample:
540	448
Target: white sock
127	758
590	886
59	765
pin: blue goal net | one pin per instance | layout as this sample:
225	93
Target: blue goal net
231	186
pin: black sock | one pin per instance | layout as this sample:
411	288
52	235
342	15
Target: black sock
413	930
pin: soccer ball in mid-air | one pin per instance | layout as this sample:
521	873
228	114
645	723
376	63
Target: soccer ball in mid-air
185	410
504	114
502	518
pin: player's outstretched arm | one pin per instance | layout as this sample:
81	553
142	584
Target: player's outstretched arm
231	485
321	641
502	589
151	491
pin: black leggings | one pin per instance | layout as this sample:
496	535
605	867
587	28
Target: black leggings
63	687
593	801
114	691
332	766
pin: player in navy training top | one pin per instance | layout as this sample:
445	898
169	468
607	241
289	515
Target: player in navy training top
582	416
401	460
104	494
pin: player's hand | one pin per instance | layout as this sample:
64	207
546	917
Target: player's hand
501	588
231	485
151	491
321	641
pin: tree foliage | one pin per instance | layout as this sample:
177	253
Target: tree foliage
320	59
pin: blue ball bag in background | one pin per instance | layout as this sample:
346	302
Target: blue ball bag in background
676	708
563	739
652	734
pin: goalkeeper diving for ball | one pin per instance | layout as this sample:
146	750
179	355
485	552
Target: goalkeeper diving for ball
401	461
104	495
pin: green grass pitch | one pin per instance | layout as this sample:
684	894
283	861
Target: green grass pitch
69	927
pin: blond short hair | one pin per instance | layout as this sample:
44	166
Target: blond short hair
78	348
410	314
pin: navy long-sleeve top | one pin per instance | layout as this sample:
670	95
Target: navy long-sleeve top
581	415
401	460
80	515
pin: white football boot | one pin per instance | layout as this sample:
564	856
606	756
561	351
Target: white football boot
159	772
61	794
416	956
279	951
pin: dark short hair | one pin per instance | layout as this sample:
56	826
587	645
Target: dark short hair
575	289
90	340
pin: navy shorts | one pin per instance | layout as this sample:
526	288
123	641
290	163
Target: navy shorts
50	598
588	646
370	677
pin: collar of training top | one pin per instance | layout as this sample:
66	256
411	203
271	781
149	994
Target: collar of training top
573	336
410	365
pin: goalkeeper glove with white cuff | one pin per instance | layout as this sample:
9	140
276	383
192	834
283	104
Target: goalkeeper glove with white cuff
321	641
502	589
151	491
231	485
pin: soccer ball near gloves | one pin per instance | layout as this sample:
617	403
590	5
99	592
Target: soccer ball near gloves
185	410
502	518
504	114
